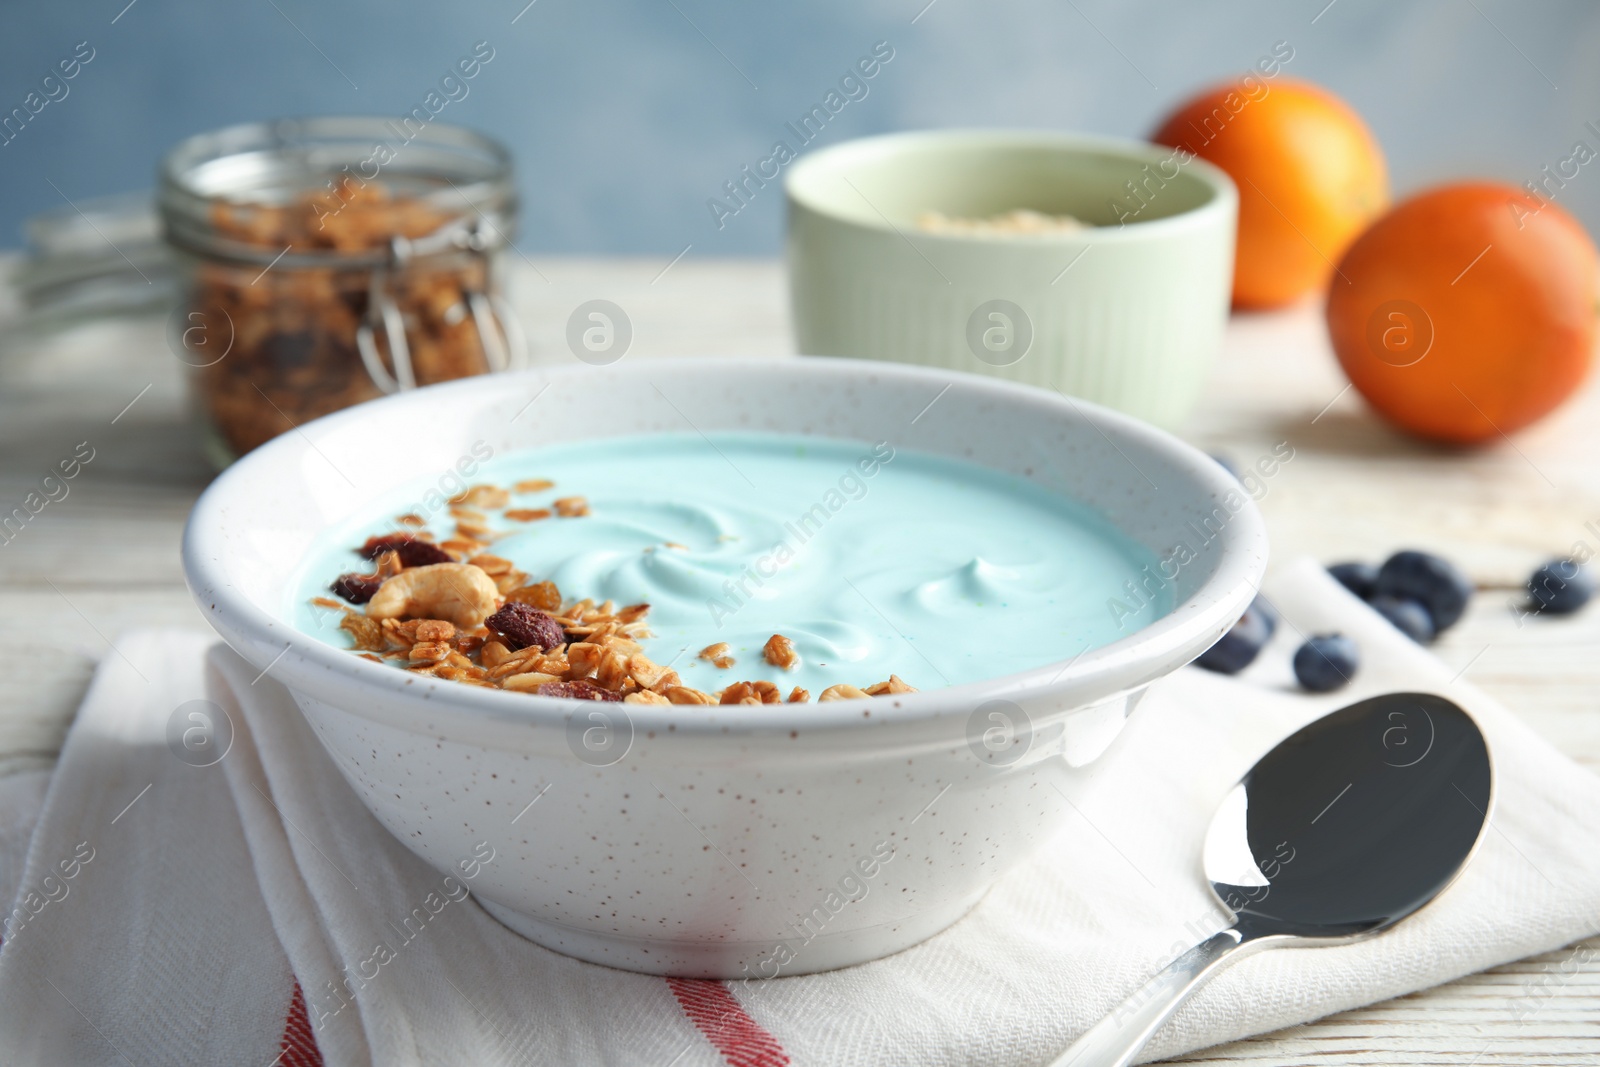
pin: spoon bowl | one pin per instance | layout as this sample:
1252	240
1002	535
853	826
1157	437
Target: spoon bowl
1354	822
1345	828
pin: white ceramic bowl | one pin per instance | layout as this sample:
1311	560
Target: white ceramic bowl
1127	313
720	841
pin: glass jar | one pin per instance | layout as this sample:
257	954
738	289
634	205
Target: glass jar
332	260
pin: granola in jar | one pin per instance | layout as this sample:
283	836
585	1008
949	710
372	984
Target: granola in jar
315	287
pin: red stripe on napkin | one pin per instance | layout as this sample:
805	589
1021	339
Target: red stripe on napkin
298	1045
722	1019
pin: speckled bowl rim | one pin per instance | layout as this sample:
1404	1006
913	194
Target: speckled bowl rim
835	157
309	665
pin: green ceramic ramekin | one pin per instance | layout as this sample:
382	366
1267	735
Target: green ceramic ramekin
1128	312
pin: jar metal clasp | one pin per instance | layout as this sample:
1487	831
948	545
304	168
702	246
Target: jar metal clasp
505	346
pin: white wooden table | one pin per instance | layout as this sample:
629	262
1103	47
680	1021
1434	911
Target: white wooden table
105	558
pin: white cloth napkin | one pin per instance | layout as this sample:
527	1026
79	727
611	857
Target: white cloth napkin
211	912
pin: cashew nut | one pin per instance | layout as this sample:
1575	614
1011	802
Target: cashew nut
459	593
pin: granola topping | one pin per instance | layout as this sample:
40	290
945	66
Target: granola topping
522	626
779	652
356	588
718	654
737	567
412	550
451	610
457	592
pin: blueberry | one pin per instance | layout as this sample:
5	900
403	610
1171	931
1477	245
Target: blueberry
1407	616
1326	662
1439	584
1238	648
1561	587
1360	578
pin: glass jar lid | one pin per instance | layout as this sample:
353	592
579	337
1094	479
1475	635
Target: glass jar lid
462	175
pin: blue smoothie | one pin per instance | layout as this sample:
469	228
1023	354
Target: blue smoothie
873	561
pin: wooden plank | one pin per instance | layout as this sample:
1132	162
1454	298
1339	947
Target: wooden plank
1357	488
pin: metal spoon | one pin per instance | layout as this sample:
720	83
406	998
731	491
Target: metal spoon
1342	830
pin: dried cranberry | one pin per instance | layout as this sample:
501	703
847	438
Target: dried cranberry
422	554
523	625
378	544
412	552
356	588
582	689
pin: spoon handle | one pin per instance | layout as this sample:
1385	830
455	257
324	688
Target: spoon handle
1115	1040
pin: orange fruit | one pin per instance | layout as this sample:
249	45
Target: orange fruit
1310	178
1467	312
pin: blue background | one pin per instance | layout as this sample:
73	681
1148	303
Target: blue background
625	116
